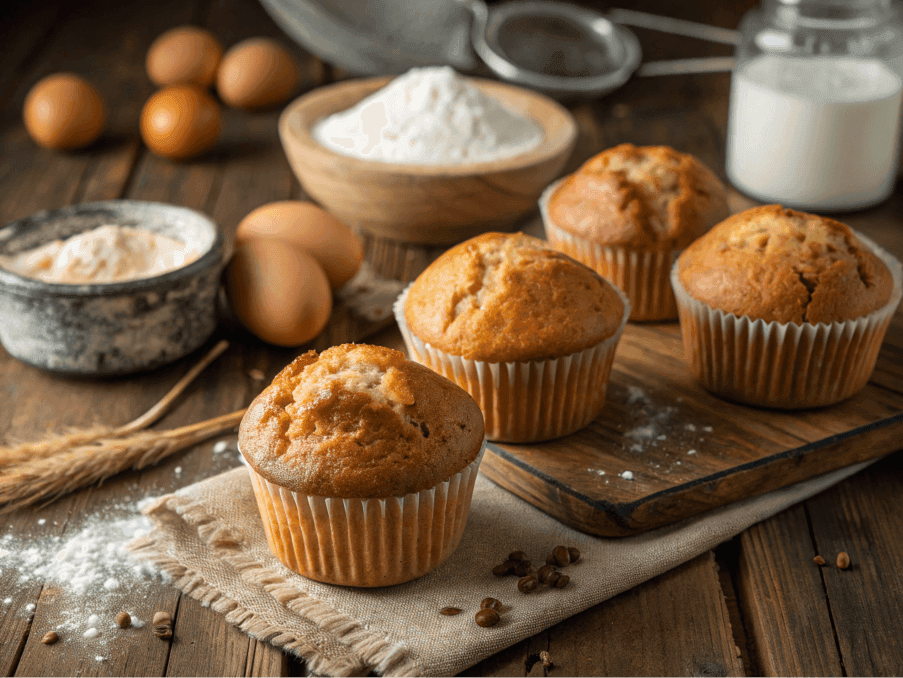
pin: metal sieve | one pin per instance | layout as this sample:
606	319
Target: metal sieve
566	51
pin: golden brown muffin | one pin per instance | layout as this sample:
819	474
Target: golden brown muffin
360	421
511	297
781	265
644	198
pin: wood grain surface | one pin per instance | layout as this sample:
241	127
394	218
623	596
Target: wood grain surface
758	609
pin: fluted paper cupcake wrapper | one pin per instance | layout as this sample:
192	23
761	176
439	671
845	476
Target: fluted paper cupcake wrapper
644	276
526	401
365	542
783	365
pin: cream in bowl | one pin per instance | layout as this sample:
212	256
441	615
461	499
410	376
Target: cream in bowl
109	287
108	253
429	159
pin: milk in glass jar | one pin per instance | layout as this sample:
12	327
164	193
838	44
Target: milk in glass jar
815	98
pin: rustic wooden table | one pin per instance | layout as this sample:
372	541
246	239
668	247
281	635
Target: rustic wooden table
755	605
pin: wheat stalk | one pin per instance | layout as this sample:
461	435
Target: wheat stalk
48	478
59	443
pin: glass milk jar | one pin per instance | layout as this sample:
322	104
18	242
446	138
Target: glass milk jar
814	116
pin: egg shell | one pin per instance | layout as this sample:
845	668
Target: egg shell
278	291
257	73
328	240
64	111
180	122
184	54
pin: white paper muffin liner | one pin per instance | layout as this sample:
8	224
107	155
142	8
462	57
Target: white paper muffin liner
644	276
783	365
526	401
366	542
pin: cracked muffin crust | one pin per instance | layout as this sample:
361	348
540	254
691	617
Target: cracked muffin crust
511	297
781	265
359	421
645	198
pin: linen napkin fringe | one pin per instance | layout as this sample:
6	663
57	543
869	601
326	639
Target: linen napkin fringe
371	651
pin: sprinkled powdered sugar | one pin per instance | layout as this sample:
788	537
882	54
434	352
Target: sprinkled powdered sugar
89	568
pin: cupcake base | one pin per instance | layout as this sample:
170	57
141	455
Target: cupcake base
365	542
783	365
526	401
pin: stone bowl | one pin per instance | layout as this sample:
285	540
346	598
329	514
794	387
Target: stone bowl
105	329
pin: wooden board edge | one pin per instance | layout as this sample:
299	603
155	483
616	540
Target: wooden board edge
609	519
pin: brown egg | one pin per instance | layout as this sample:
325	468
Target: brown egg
180	122
328	240
278	291
184	54
64	111
257	73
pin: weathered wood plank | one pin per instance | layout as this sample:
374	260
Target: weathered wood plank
681	614
783	598
205	645
862	516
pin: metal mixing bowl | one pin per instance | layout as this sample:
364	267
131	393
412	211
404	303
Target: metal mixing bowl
111	328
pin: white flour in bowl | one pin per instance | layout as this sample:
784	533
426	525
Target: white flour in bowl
429	116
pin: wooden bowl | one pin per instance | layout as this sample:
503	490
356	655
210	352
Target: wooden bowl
425	203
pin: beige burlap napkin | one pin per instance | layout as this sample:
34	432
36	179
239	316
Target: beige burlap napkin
209	538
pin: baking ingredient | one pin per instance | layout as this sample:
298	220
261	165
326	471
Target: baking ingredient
325	238
162	625
450	611
843	560
491	604
73	558
528	583
429	116
123	620
574	553
818	560
64	111
523	568
50	638
561	555
105	254
180	122
185	54
814	132
486	618
546	659
257	73
278	291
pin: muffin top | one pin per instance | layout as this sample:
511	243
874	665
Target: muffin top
781	265
360	421
647	198
510	297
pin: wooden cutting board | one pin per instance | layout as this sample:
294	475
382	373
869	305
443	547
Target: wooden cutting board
687	450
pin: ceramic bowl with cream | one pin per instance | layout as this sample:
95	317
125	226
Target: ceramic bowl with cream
130	286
